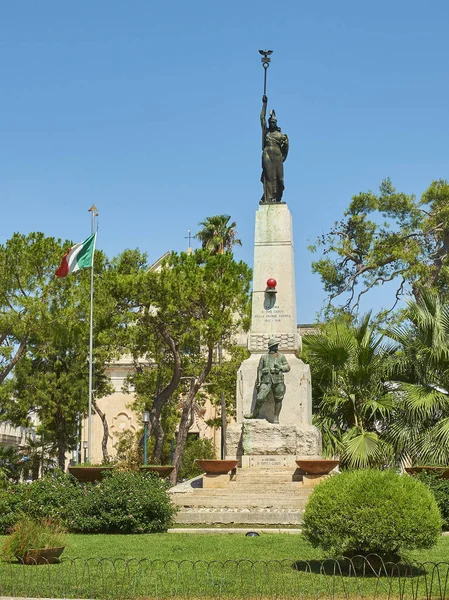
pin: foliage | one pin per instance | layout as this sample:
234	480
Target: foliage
123	502
420	428
10	464
222	379
44	322
387	237
29	534
218	235
10	506
51	497
129	455
352	399
199	448
27	266
184	311
370	511
440	489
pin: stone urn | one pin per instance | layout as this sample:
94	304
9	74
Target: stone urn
162	471
216	467
440	471
41	556
317	466
89	474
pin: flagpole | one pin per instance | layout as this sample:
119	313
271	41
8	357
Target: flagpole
93	211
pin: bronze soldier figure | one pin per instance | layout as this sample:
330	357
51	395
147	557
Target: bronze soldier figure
270	378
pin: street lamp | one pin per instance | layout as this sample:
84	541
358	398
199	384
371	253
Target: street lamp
145	420
85	446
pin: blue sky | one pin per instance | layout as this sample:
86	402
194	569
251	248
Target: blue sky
151	111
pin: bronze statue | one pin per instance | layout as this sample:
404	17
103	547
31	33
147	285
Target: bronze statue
274	153
270	378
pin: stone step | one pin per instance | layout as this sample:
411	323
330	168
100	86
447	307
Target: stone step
229	502
249	493
249	517
282	475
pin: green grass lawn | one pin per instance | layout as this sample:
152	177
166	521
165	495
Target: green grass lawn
223	546
191	546
184	565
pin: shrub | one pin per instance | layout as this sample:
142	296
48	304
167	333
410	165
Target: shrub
199	448
10	505
363	512
28	534
52	497
123	502
440	489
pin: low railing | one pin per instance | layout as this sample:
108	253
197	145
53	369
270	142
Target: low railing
369	578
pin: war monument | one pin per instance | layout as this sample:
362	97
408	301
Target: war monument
274	393
260	482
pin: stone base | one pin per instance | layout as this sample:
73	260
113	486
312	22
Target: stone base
312	480
213	481
297	402
259	439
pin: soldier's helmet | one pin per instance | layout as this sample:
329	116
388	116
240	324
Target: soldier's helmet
272	342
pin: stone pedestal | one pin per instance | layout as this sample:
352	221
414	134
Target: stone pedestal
214	481
273	315
260	442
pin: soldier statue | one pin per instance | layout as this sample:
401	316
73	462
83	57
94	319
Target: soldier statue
270	378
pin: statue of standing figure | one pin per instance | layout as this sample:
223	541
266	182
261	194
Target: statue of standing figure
274	153
270	378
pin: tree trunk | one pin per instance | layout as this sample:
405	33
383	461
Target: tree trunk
187	415
9	367
104	441
186	422
160	436
164	396
61	448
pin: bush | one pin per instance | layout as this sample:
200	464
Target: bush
52	497
123	502
199	448
363	512
10	505
440	489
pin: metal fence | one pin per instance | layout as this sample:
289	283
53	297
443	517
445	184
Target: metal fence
368	578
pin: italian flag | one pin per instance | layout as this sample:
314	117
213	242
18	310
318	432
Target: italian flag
80	256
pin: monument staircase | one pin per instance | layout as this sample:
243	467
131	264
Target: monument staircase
258	496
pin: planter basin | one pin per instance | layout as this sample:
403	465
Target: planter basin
216	467
317	466
88	474
162	471
441	471
41	556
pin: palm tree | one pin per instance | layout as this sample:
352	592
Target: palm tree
420	429
218	235
352	397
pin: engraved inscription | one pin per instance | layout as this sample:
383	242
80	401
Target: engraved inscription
275	314
268	461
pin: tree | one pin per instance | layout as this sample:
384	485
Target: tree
352	398
182	313
420	428
388	237
218	235
45	336
51	379
27	265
